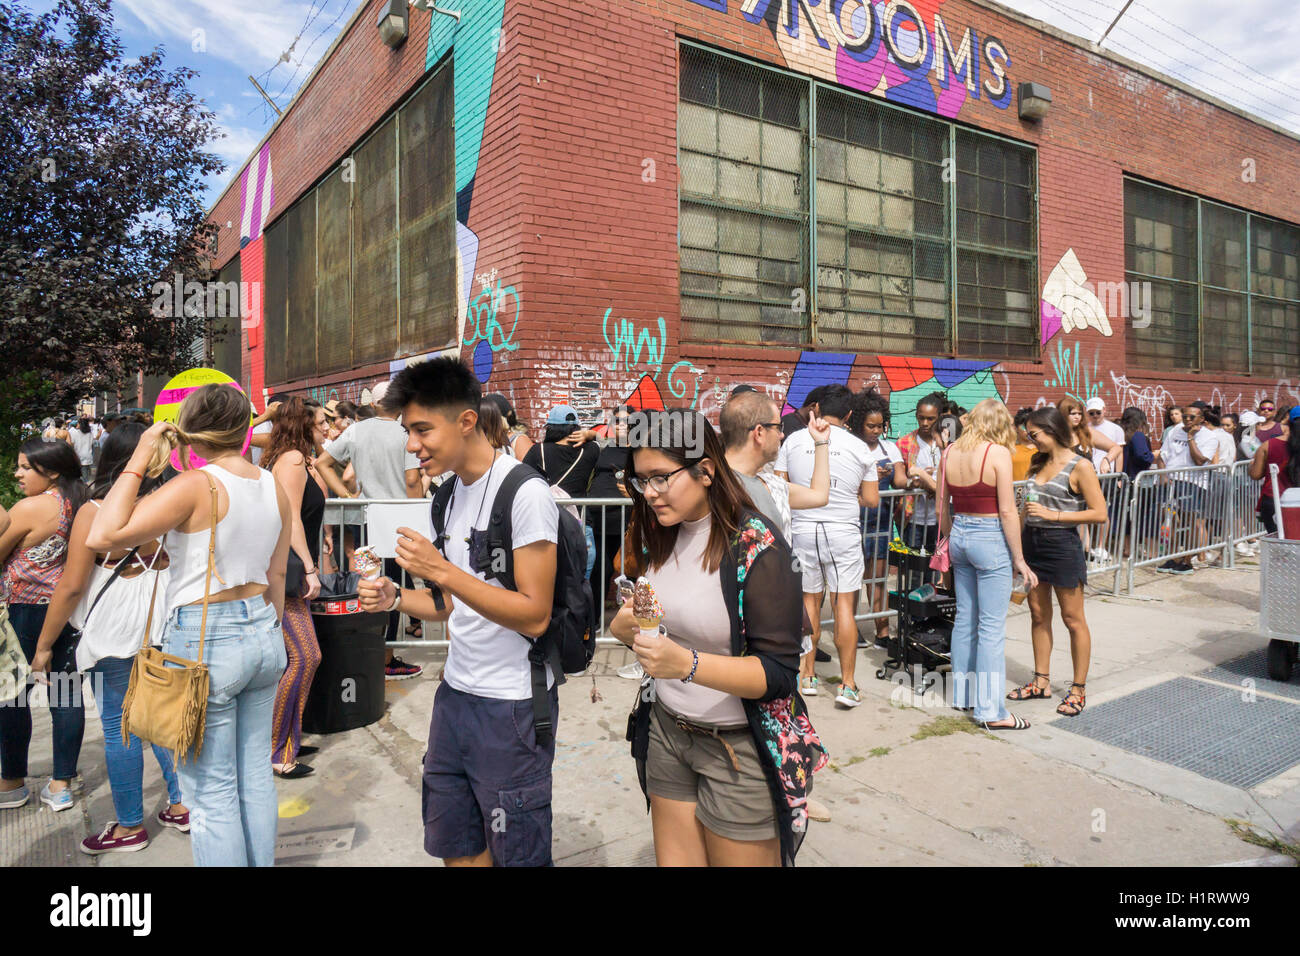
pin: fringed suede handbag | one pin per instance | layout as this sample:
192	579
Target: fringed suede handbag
165	705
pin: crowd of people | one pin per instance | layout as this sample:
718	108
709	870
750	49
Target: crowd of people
744	533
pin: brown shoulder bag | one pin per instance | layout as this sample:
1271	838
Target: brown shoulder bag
166	705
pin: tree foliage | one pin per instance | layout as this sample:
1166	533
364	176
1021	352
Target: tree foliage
101	195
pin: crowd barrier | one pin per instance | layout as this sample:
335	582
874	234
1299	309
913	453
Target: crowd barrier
1163	515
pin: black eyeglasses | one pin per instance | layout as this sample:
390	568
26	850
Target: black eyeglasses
658	482
768	425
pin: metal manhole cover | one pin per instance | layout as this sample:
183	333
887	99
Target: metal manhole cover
1254	666
1205	728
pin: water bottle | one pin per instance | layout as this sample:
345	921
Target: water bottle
923	593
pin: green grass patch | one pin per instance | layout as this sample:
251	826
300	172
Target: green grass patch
943	726
879	751
1248	834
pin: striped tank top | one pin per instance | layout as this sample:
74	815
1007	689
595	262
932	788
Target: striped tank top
31	574
1055	495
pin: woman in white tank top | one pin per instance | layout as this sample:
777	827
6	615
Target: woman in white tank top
111	610
243	646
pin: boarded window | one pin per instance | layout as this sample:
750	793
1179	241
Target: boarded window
227	342
374	244
333	274
300	344
275	296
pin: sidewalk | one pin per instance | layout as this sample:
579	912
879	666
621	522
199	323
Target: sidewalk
1140	778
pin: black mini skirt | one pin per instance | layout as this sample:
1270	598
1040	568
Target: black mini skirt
1055	555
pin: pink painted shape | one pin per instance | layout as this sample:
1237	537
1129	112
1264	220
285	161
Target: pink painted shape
1049	321
859	75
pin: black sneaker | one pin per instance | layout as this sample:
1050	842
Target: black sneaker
1182	567
398	669
1168	567
822	657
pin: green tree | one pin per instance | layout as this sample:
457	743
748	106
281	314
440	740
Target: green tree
101	195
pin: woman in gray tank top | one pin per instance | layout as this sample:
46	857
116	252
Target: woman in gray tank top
1063	495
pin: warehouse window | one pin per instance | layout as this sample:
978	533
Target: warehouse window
1225	293
362	269
888	227
225	345
742	135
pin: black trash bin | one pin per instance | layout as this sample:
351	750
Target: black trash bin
348	691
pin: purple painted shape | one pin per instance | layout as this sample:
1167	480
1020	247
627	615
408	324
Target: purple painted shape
813	369
952	372
263	165
901	87
1049	321
858	75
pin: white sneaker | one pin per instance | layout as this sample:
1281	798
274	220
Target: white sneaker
808	686
633	671
1243	549
1099	554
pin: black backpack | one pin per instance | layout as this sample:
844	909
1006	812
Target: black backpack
570	642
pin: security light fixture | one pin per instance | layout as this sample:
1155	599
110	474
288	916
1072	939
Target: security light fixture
392	23
431	6
1035	99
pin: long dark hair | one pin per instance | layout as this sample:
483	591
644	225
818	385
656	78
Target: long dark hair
117	451
1133	420
1052	421
492	424
666	432
557	433
57	461
294	423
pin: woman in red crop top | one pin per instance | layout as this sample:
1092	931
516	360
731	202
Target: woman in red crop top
983	532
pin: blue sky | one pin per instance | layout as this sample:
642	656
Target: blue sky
1242	51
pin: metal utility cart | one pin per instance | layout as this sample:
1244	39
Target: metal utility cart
924	633
1279	604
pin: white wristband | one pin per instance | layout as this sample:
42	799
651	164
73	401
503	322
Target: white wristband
396	601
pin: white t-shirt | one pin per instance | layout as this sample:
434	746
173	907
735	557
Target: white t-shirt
485	658
885	453
83	443
255	453
1176	455
928	456
851	464
1115	434
1227	447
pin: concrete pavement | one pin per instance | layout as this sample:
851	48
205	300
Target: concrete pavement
911	782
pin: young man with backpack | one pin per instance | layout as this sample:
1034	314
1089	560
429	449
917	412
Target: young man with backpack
505	573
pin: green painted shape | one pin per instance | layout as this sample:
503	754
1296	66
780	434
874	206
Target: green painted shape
476	39
967	393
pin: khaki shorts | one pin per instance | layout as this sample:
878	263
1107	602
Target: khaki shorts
696	768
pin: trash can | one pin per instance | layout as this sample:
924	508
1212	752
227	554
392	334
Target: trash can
348	691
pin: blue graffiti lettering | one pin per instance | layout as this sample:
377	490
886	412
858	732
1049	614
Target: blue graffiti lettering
676	386
627	345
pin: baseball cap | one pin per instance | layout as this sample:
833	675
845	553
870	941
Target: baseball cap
1246	419
742	389
1295	413
562	415
1095	405
377	393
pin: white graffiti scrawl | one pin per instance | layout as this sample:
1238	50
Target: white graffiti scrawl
1151	399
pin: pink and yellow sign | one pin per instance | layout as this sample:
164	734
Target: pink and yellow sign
168	406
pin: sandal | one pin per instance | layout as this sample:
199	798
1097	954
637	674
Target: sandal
415	631
1019	724
1032	691
1074	703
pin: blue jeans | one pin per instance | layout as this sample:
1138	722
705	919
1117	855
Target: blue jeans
229	787
591	548
981	571
67	712
112	676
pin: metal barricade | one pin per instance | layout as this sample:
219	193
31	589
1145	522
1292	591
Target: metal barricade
1243	521
1104	544
1178	512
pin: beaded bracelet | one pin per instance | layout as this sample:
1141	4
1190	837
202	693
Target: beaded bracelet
695	662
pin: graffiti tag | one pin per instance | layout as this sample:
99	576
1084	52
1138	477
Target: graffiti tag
483	321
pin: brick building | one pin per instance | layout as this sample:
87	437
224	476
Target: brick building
664	198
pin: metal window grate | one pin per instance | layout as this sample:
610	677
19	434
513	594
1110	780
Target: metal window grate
883	279
743	226
300	342
275	295
428	219
374	231
333	274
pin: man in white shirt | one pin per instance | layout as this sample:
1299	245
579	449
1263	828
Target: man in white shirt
828	540
1104	461
487	777
1189	444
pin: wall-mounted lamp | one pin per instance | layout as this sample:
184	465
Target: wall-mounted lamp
431	6
1035	99
392	23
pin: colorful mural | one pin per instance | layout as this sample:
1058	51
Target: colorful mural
256	199
910	379
903	52
1069	302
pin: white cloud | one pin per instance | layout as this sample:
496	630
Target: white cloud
251	33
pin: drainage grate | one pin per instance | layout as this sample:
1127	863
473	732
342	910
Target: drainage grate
1255	666
1200	727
